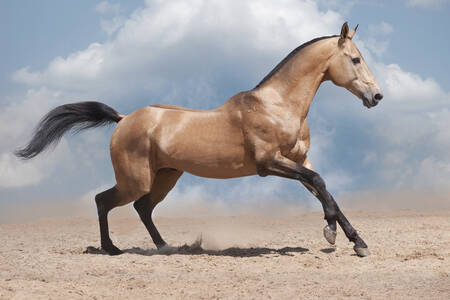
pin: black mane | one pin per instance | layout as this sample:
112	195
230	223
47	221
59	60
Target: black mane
290	55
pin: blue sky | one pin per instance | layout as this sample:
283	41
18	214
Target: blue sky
129	54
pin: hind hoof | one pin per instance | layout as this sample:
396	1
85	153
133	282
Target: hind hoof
112	250
362	252
166	249
329	234
161	245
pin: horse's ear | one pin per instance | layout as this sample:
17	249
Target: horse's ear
352	33
344	33
344	30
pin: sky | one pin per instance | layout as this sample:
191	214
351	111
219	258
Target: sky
198	53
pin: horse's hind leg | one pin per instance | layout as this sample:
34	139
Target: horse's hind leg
164	181
106	201
134	185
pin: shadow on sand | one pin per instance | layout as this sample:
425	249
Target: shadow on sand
196	249
328	250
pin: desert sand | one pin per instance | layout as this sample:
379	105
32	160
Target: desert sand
243	257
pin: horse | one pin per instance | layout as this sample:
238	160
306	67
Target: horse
262	131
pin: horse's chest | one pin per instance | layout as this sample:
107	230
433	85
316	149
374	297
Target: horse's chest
294	140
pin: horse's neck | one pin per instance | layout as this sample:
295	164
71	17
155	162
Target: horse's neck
297	82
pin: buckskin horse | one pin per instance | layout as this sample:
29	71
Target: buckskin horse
263	131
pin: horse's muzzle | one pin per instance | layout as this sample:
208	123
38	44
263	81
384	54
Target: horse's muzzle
369	103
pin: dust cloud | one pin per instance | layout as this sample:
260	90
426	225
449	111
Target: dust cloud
370	200
413	199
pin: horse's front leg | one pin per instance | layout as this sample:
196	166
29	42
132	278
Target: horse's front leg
279	165
329	231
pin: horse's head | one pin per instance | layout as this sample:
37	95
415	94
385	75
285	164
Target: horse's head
348	69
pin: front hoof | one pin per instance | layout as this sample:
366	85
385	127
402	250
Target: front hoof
112	250
329	234
362	252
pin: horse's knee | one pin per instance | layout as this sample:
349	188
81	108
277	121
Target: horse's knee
143	205
107	200
318	183
331	208
101	201
331	211
140	204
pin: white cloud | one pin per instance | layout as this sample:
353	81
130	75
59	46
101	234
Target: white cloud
78	70
111	20
15	173
343	7
377	41
106	7
411	133
170	40
21	117
408	130
110	26
376	46
381	28
402	86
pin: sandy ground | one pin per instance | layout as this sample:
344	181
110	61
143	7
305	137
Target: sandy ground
240	258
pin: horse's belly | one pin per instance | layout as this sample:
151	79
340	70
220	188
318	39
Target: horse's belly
212	162
221	160
208	147
221	173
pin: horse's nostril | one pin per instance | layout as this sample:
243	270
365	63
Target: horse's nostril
378	96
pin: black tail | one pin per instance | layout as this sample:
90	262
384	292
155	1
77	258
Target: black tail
76	116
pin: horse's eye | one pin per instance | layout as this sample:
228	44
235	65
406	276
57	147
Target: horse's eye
356	60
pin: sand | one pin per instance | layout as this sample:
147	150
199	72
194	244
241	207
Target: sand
240	258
